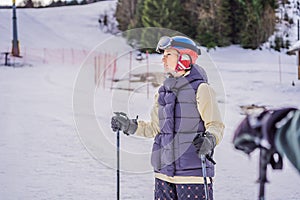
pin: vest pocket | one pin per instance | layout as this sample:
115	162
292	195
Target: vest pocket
162	152
187	156
156	153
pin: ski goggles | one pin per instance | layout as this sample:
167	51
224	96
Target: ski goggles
163	43
166	42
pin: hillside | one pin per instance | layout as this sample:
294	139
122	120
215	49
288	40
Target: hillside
72	26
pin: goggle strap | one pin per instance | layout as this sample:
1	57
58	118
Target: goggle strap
185	45
166	42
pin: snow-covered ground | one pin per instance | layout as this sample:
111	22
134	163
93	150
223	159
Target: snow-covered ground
55	136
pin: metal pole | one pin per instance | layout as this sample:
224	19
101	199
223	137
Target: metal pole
6	59
15	43
118	164
298	64
113	71
279	69
298	29
130	67
263	157
96	71
203	163
147	53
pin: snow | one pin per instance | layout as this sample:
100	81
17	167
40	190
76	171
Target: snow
294	47
56	141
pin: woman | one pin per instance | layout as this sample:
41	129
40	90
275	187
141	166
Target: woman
185	110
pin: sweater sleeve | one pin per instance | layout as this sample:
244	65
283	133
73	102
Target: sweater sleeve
149	129
209	111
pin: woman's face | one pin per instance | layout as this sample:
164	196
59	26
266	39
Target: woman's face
170	60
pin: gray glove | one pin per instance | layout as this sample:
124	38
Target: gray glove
204	143
121	122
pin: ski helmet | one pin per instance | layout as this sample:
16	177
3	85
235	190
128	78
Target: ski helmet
186	47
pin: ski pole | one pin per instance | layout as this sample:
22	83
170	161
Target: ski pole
118	164
263	163
203	163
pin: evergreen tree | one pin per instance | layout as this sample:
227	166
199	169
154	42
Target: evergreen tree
72	3
206	33
211	22
128	15
259	23
190	17
207	26
125	13
56	3
136	22
28	4
83	2
161	13
225	18
237	20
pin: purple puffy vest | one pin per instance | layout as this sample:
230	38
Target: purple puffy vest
173	153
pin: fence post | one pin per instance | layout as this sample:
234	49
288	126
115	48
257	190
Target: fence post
96	70
63	55
129	74
279	69
24	54
44	59
72	52
99	69
147	76
114	70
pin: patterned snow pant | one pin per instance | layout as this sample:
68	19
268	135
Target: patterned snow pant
169	191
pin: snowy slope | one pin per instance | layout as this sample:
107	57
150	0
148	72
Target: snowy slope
71	26
46	154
